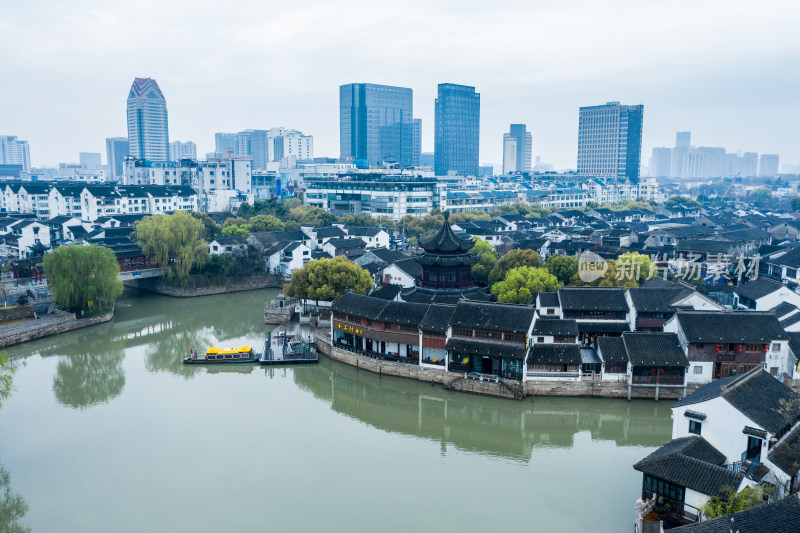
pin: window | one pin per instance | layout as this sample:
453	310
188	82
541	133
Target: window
776	347
695	427
539	339
698	370
551	311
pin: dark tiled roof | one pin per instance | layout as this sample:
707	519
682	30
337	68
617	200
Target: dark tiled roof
657	300
704	246
782	516
783	309
478	347
757	288
386	255
794	342
359	305
657	283
603	327
437	318
386	293
690	462
790	321
446	241
422	295
500	317
592	299
555	353
651	348
410	266
786	454
756	394
347	243
403	313
556	327
612	349
548	299
329	231
736	327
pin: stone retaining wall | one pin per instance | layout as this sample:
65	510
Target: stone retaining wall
45	328
255	282
16	312
452	381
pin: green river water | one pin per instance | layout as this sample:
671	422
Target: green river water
109	431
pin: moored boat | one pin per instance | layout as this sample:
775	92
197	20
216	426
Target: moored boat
288	350
244	354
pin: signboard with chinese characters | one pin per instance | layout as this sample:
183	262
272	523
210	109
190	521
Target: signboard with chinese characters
349	329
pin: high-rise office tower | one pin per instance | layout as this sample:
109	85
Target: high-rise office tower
416	144
376	123
14	152
768	165
610	140
117	149
457	130
683	139
661	162
148	130
224	142
182	150
517	149
683	142
749	164
90	160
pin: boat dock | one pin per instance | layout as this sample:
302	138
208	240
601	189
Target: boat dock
282	349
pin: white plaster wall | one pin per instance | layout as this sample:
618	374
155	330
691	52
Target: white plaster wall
704	377
783	294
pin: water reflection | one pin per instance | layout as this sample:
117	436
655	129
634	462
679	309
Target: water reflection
12	506
480	424
89	370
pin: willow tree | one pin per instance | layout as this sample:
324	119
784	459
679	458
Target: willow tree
175	242
328	279
83	277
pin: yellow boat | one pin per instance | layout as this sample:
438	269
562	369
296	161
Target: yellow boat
215	355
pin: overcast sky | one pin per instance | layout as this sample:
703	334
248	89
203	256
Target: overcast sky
729	71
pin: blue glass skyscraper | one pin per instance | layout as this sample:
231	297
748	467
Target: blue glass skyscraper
610	140
376	124
458	117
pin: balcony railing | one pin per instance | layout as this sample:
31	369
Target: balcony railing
445	284
458	367
658	380
561	375
377	355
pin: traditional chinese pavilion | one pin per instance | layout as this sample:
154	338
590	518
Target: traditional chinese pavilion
446	261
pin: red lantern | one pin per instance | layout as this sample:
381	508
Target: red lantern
766	348
740	347
719	347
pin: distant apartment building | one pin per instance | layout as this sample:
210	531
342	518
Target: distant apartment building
416	145
224	142
81	173
117	149
376	124
148	129
661	162
265	146
704	162
283	142
610	140
376	194
14	152
683	142
457	130
90	160
749	164
517	149
768	165
182	150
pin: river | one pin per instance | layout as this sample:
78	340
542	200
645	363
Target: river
109	431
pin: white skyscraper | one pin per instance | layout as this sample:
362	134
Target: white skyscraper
517	149
182	150
148	130
661	162
14	152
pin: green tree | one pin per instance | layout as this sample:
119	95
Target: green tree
523	283
729	501
563	267
234	221
486	260
83	276
760	197
174	242
12	506
328	279
6	379
681	200
212	229
308	215
246	211
426	225
466	216
615	276
513	259
636	266
236	231
265	223
795	203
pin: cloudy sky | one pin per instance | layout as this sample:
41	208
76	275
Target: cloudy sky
729	71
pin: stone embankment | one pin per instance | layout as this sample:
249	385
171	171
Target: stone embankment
53	324
158	286
503	389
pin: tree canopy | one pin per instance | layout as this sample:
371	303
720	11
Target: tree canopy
175	242
636	266
513	259
6	378
84	277
563	267
730	501
523	283
795	202
615	276
12	506
681	200
328	279
236	230
486	260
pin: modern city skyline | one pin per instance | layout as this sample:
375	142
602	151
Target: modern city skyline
376	124
517	149
148	127
117	149
182	150
457	130
610	140
265	145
